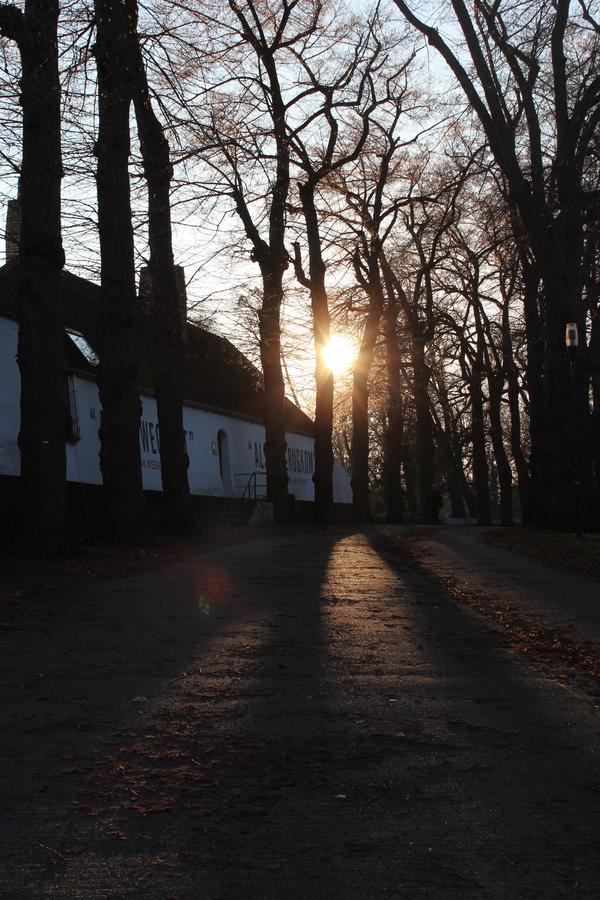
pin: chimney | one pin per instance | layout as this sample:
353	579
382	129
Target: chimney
146	299
13	229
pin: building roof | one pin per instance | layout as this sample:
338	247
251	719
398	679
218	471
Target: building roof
216	373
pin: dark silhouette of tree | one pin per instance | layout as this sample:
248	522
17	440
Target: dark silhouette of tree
426	223
368	276
535	89
395	414
373	193
426	214
41	259
473	278
166	316
254	157
503	298
447	413
351	90
495	376
117	378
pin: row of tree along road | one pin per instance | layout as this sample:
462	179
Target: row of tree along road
444	207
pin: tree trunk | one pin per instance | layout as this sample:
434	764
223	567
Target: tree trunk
323	477
410	476
360	414
523	477
567	417
392	449
455	477
481	474
502	463
361	510
593	295
41	259
167	313
273	260
468	494
480	465
121	408
556	246
424	431
455	481
274	392
539	454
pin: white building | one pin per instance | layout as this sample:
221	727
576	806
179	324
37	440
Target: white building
222	410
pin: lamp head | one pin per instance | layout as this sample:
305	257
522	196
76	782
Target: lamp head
571	336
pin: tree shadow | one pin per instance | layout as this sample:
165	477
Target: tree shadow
161	690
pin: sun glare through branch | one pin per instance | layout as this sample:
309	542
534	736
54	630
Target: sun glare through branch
339	353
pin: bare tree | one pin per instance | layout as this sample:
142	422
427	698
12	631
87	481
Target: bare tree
166	316
350	91
535	89
255	157
427	213
374	192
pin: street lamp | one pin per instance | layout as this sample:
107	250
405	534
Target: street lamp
572	340
572	343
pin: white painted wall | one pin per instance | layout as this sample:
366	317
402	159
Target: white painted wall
244	441
342	490
83	461
202	438
82	457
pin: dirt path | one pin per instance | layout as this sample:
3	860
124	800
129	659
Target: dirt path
299	718
549	613
563	598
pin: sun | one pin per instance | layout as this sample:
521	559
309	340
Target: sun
339	353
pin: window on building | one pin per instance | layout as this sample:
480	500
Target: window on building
73	428
83	346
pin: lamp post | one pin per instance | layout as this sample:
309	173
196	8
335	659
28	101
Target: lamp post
572	343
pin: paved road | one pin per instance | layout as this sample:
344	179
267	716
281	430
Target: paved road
299	718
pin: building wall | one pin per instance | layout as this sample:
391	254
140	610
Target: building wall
221	467
223	450
83	463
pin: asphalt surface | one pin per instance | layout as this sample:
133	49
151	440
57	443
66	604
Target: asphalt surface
305	717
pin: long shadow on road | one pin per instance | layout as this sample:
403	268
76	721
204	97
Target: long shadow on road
172	763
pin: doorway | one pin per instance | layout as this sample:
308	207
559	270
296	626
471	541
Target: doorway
224	462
